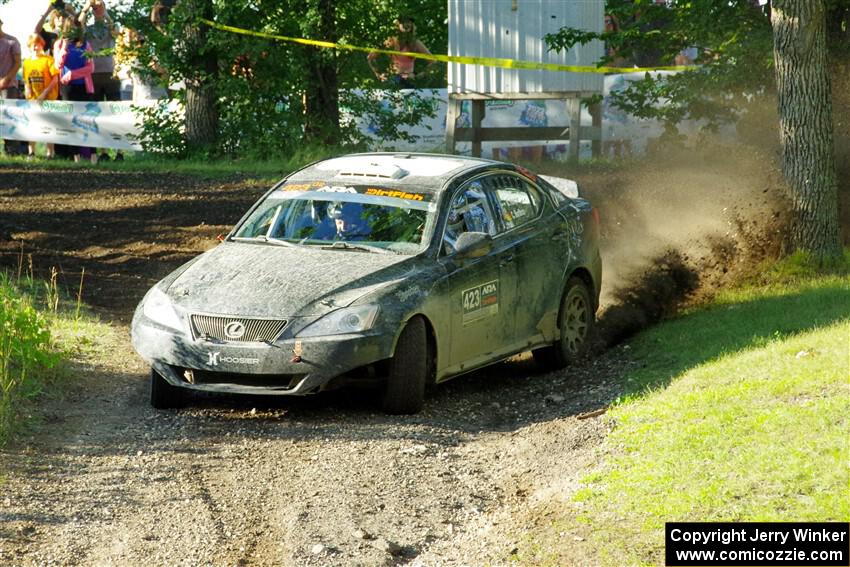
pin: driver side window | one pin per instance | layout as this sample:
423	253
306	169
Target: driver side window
469	212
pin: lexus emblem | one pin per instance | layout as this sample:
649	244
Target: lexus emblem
234	330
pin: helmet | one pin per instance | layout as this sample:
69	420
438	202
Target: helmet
335	210
467	211
347	216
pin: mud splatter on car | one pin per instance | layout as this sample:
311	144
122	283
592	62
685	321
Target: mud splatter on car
394	269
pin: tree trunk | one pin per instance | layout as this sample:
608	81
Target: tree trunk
321	97
201	98
805	124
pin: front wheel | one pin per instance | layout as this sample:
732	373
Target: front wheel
404	392
575	320
163	394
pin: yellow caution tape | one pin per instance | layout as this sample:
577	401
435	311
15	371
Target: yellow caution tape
484	61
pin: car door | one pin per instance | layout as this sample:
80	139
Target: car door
481	281
539	259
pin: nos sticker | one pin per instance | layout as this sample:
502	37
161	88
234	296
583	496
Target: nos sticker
480	302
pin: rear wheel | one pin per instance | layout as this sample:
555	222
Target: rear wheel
575	320
404	392
163	394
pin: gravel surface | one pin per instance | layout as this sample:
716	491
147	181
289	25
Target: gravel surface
327	480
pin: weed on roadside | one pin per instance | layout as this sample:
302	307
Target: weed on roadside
26	353
41	326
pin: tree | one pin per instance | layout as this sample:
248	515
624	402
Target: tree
747	54
805	124
270	97
321	97
201	80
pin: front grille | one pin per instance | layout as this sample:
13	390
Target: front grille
255	330
275	381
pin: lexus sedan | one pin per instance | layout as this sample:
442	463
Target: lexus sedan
389	269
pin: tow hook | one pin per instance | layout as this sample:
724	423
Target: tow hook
296	353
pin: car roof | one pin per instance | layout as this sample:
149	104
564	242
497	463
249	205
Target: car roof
425	172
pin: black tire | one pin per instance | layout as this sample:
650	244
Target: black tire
576	319
163	394
404	392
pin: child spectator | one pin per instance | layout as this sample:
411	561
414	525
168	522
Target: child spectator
75	64
41	80
49	27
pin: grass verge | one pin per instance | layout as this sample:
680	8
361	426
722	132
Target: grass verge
738	411
39	329
265	170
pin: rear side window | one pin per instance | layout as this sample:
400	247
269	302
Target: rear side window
558	198
515	200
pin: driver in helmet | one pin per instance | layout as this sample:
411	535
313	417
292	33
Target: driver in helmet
348	219
467	214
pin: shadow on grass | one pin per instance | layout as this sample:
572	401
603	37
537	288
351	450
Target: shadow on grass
696	338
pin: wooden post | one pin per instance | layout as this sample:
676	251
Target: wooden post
452	112
477	117
596	144
574	110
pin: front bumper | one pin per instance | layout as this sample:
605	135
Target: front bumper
256	368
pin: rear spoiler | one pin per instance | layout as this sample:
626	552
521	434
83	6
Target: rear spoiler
566	186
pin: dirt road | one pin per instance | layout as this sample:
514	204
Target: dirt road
244	481
327	480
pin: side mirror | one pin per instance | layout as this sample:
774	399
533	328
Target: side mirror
472	244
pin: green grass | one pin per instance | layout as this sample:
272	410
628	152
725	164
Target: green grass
40	328
26	353
266	171
740	411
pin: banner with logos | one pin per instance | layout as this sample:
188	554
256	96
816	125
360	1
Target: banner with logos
114	124
622	133
91	124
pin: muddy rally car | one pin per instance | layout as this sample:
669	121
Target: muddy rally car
394	270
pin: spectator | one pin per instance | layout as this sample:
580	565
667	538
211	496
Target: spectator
686	56
146	84
41	80
613	27
160	12
10	63
50	23
653	18
125	60
75	63
49	27
101	35
402	67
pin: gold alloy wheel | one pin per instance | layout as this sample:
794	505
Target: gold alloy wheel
575	321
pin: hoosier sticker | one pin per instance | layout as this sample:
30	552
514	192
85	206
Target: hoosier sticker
480	302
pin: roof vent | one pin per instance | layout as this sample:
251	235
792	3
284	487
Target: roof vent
374	171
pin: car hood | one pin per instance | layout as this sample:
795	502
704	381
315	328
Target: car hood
265	280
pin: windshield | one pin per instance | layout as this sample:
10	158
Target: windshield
369	218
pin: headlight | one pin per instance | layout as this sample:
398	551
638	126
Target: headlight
343	321
158	309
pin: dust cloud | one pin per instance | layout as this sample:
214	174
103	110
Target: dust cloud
678	225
